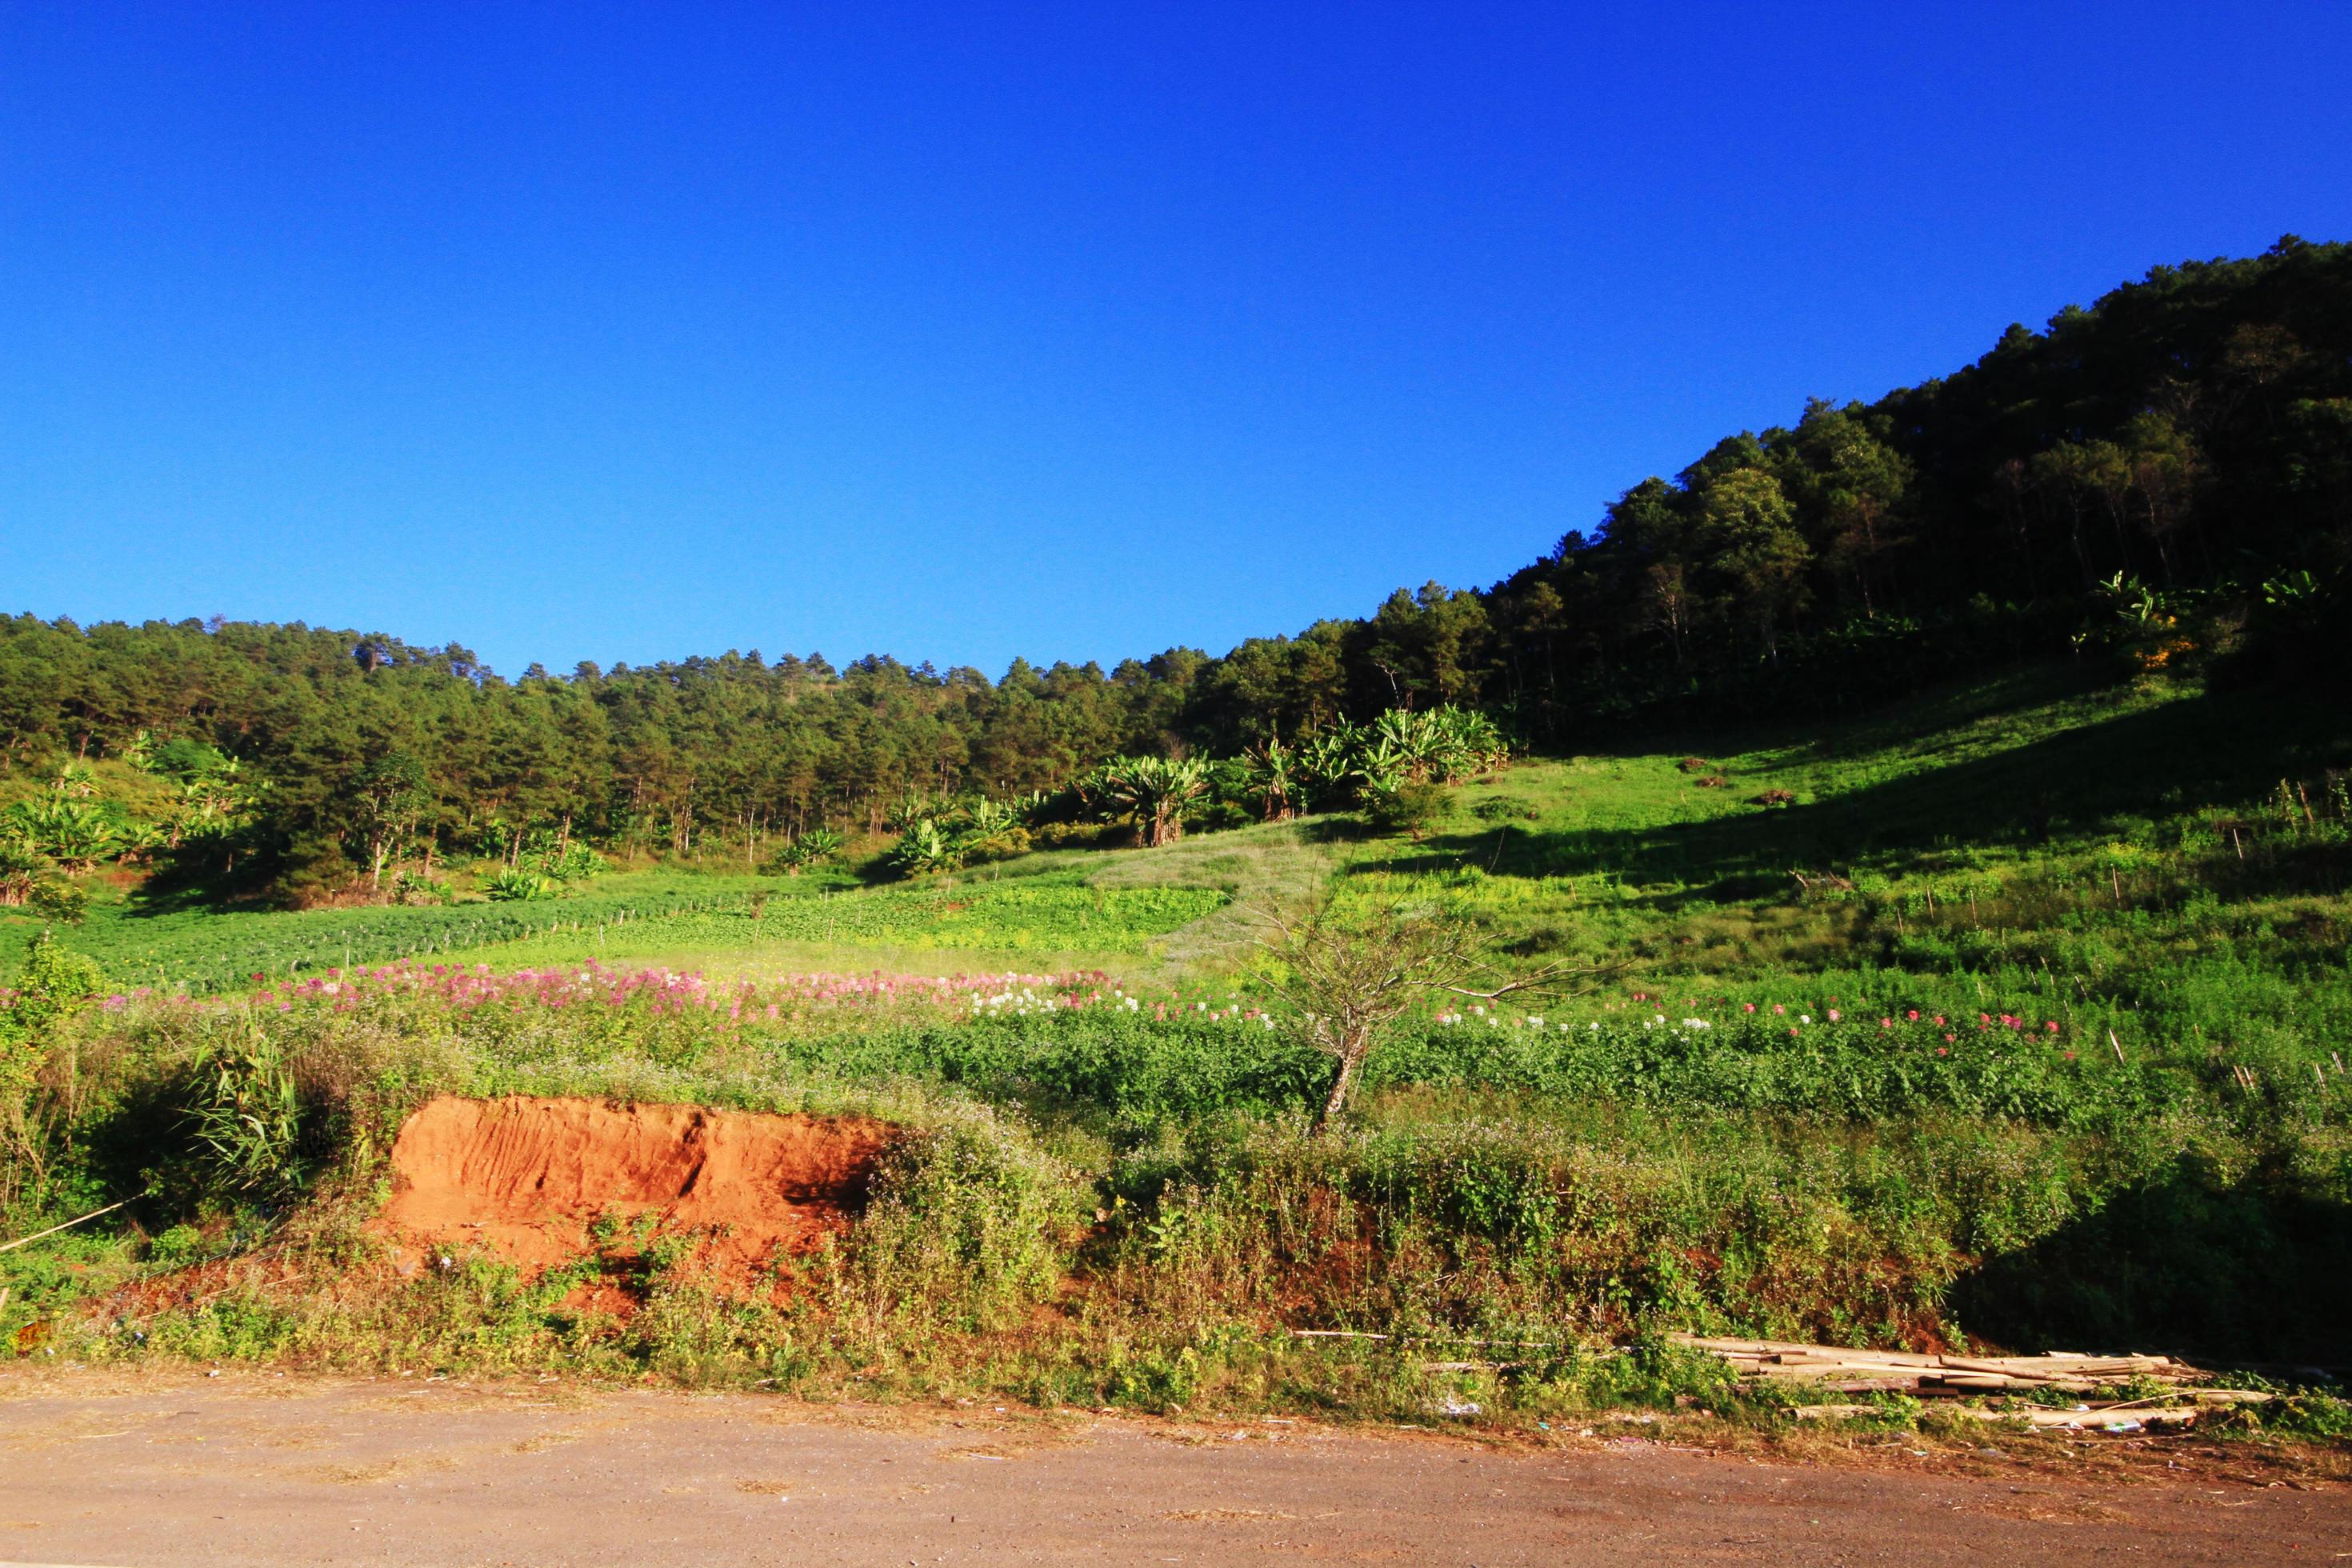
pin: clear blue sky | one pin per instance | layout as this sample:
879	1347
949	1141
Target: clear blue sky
622	332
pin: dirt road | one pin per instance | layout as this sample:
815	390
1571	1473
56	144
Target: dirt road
251	1467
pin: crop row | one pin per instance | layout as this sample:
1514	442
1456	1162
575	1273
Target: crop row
208	951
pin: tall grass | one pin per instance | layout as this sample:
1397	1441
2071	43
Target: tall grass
1148	1186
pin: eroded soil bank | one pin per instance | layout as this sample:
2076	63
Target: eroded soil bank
526	1179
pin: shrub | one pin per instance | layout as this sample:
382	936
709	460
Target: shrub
415	888
519	887
1412	808
925	847
808	849
55	899
52	988
245	1115
967	1223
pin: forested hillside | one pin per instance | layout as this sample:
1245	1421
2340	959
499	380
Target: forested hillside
2165	475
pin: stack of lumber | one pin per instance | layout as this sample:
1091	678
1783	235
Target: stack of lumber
1877	1372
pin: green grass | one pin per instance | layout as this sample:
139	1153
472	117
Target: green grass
2116	858
1487	1191
2171	1168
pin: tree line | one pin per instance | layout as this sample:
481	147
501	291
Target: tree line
2186	439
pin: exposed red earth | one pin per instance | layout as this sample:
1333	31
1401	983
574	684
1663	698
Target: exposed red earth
526	1179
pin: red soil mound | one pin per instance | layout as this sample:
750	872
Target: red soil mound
525	1178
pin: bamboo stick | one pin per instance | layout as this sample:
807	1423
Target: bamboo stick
69	1224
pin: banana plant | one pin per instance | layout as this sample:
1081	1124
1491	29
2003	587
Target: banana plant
22	870
516	887
992	827
75	781
75	833
1157	793
925	848
1327	764
806	850
911	808
1271	771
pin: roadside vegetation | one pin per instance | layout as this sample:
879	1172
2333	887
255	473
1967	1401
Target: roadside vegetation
1892	886
1901	1061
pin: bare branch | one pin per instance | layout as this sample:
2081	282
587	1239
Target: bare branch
1346	980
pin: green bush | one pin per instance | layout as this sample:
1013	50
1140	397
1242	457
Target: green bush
520	886
53	986
245	1114
1407	807
967	1223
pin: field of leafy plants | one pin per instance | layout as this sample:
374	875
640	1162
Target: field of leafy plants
204	951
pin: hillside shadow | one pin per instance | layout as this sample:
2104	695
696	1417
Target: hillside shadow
2189	755
2249	1272
177	885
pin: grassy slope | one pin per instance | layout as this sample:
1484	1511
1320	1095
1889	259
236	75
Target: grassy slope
2030	820
2105	853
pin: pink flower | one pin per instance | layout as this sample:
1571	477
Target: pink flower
1912	1015
1942	1051
1887	1023
1833	1015
1748	1006
1947	1040
1777	1008
2051	1025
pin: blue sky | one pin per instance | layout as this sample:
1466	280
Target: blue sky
624	332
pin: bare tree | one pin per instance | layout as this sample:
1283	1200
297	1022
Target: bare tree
1343	978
